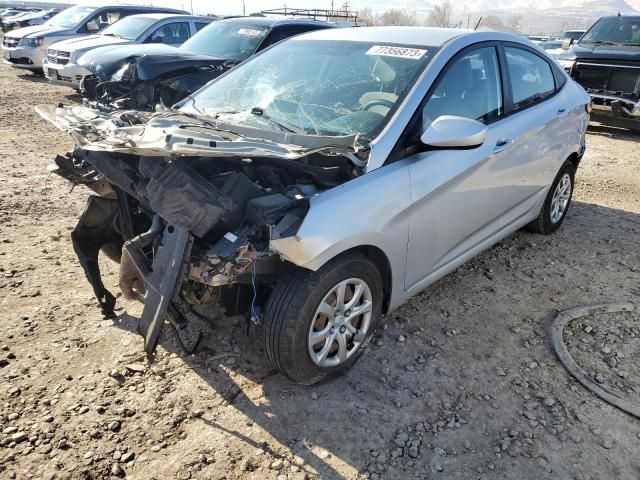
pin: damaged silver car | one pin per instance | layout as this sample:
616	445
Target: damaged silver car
314	196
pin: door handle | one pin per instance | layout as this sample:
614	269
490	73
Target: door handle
561	111
501	145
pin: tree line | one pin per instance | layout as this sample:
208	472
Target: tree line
441	15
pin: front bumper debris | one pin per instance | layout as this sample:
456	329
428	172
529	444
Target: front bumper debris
618	106
190	208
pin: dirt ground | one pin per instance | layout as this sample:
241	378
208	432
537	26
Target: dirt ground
461	382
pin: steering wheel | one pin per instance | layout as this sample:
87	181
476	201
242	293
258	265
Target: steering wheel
379	101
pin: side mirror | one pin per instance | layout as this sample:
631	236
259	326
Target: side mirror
566	43
449	131
92	26
156	39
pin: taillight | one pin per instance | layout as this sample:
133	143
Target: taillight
588	107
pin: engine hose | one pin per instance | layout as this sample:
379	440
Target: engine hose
572	367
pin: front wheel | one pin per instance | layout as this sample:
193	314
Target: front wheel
557	203
318	323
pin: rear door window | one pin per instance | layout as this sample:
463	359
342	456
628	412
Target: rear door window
531	77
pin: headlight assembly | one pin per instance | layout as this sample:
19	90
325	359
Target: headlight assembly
32	42
566	64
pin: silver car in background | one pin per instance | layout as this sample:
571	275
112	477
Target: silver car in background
61	63
26	47
327	192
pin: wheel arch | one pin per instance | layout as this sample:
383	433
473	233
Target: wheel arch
575	159
382	263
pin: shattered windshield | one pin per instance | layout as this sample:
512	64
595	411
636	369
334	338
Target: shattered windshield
71	16
130	28
349	87
232	41
614	31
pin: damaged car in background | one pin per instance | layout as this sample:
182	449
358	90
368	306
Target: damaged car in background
60	64
313	197
143	76
606	62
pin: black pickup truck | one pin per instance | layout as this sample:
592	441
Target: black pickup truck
606	62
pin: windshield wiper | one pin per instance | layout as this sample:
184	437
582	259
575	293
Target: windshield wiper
259	112
600	42
111	35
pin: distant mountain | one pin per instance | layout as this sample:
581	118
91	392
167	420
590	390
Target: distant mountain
537	17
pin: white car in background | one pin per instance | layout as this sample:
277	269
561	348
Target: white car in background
60	65
29	19
26	47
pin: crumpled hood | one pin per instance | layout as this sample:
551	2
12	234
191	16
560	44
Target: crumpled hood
174	133
88	42
37	30
154	66
110	58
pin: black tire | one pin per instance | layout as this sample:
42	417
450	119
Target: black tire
291	307
543	224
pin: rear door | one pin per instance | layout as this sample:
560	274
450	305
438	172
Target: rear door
537	130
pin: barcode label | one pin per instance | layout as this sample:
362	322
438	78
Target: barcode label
400	52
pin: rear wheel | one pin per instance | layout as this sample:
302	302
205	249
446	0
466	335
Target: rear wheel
557	203
318	323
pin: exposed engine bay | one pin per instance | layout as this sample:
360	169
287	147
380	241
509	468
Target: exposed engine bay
189	207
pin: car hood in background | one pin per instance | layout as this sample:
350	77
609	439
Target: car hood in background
602	52
39	30
148	65
154	66
100	58
92	41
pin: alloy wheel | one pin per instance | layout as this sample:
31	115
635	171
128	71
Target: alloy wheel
340	323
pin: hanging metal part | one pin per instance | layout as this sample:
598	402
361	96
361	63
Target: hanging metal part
163	282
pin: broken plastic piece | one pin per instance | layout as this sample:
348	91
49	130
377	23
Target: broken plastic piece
163	282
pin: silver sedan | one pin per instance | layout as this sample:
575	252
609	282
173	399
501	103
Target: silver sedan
325	181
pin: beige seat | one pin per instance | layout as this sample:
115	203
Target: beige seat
383	73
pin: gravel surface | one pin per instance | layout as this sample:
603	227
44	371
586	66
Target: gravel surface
460	382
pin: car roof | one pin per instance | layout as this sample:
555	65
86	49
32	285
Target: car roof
424	36
138	7
276	22
164	16
635	17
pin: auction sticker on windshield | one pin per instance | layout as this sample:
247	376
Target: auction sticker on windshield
400	52
249	32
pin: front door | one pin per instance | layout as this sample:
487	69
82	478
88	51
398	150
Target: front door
457	194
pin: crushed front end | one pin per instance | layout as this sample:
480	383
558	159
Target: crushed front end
189	208
142	82
614	87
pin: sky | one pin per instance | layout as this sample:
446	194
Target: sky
234	7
